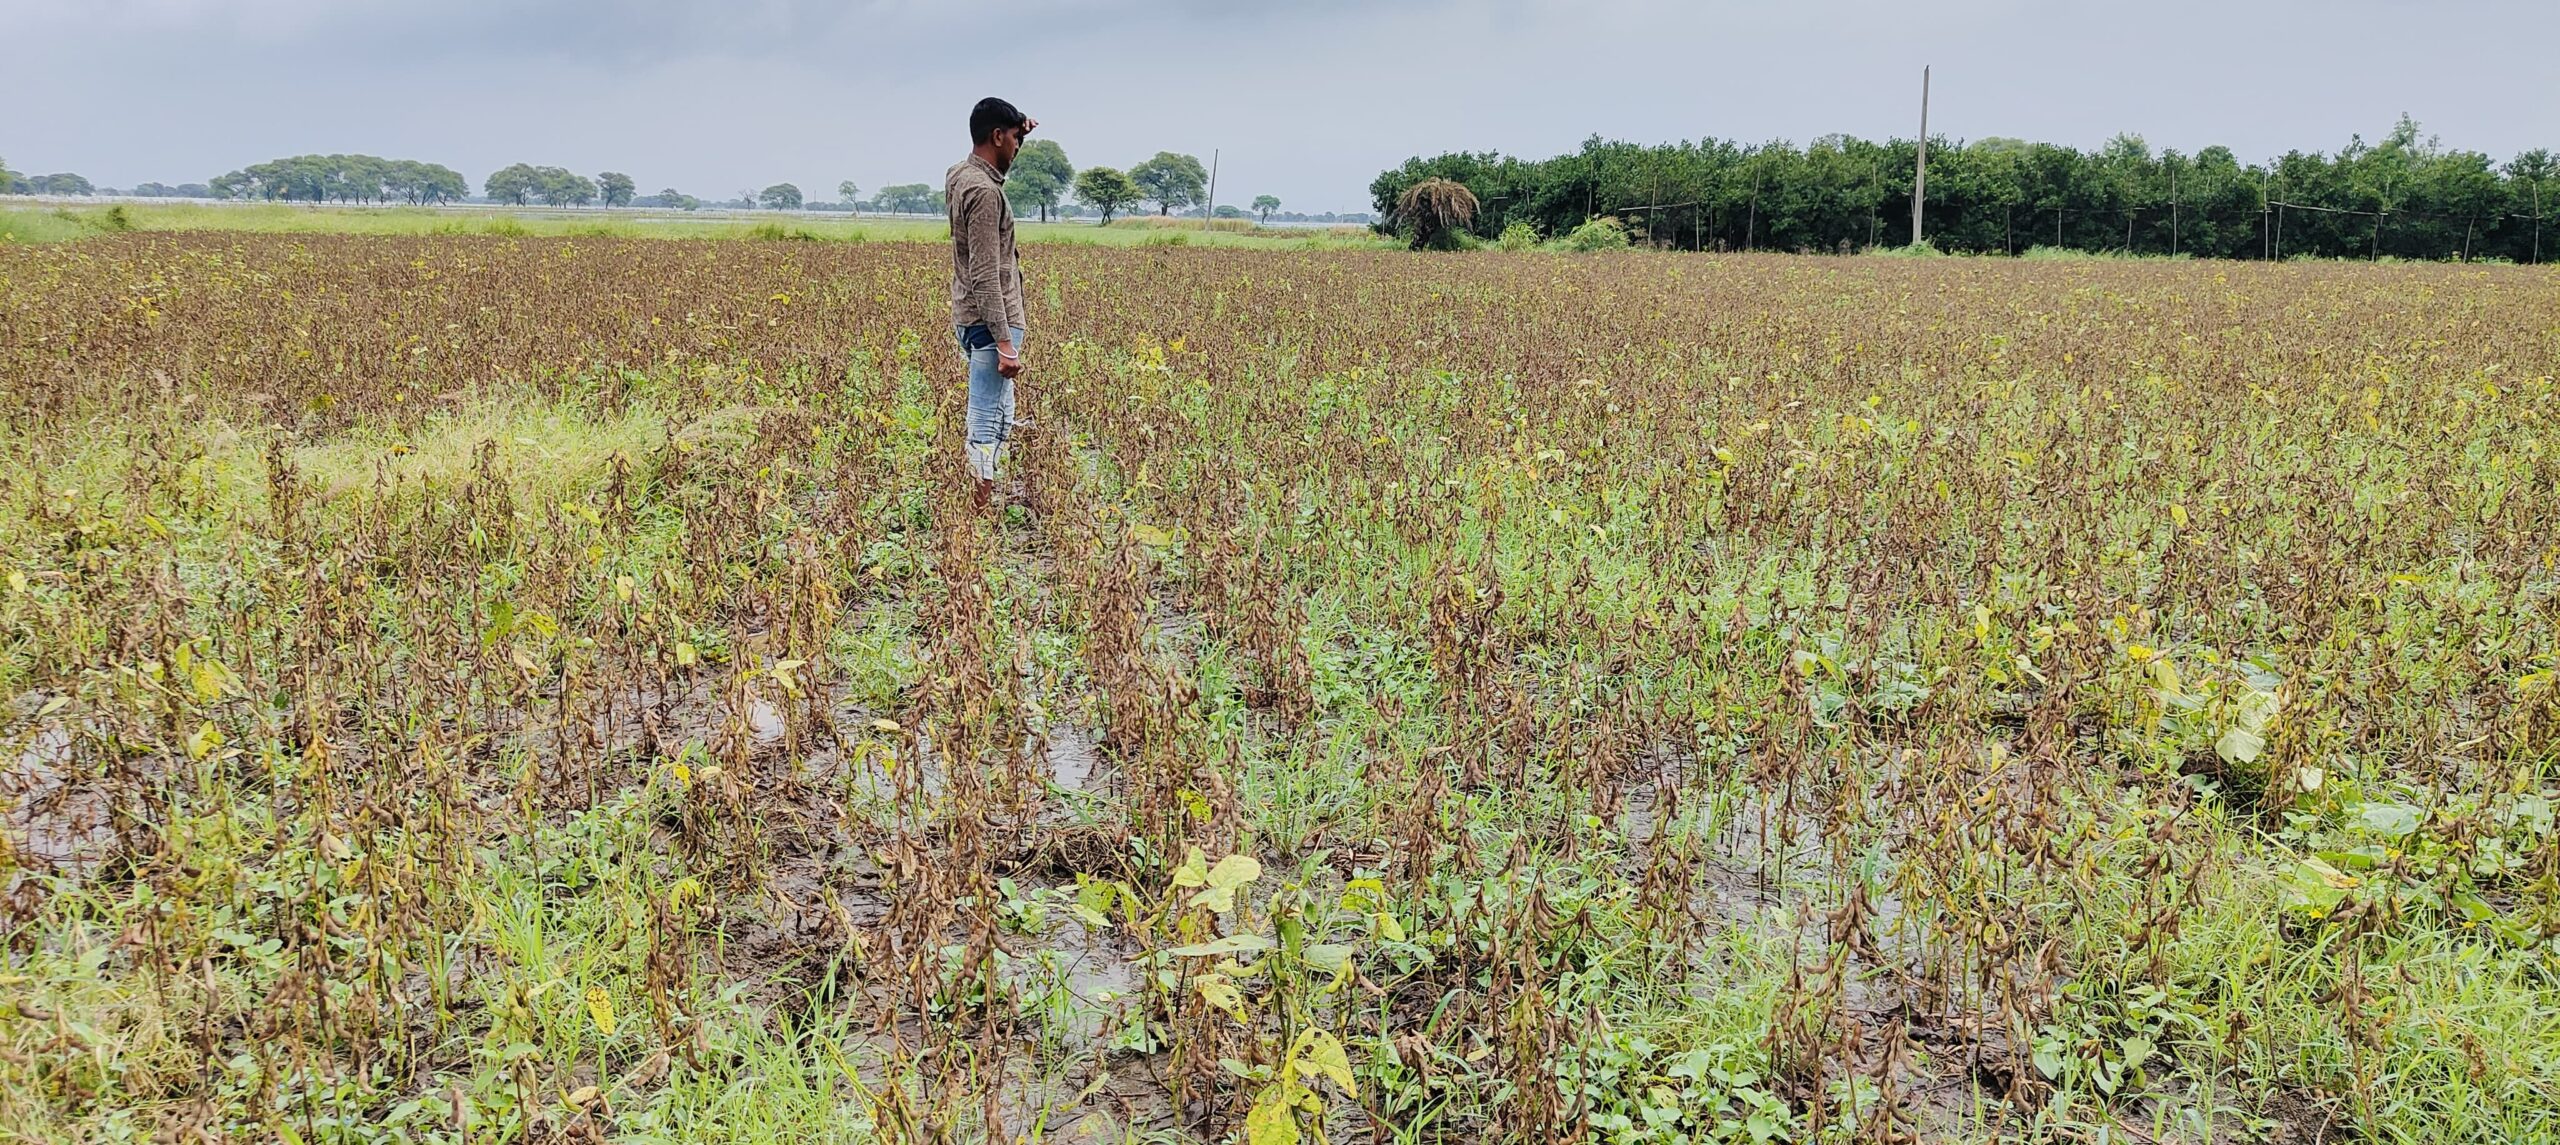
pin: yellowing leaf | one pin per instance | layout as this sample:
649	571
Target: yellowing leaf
1323	1052
2329	874
1194	871
205	741
1220	991
2178	513
600	1008
1231	874
1235	871
2165	674
1272	1122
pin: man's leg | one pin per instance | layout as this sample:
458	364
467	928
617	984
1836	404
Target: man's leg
1005	419
990	409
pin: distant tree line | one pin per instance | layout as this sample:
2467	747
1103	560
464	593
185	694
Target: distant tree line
2407	196
1040	183
343	179
14	183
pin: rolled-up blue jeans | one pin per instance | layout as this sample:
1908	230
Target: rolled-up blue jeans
990	398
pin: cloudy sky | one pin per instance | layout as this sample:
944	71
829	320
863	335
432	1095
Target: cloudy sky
1305	99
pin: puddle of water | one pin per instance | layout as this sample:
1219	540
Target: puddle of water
54	822
1071	758
764	724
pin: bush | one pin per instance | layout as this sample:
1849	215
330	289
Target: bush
1603	233
1518	236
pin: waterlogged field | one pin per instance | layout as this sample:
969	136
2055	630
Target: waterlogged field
497	689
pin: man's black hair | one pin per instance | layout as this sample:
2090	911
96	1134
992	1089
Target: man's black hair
993	115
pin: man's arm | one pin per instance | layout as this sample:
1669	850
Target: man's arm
978	213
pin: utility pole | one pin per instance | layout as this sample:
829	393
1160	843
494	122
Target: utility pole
2174	244
1212	208
1920	172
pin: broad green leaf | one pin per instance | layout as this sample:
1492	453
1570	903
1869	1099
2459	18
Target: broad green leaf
1235	871
2392	820
1328	956
2239	745
2257	710
2137	1051
1231	944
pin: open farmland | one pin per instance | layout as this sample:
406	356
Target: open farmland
477	689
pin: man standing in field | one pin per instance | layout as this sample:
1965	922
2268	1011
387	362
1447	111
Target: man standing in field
986	282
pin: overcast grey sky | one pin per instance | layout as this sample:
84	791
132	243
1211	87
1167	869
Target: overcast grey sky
1307	99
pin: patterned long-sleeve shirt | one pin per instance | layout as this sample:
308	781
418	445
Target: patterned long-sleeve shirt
986	274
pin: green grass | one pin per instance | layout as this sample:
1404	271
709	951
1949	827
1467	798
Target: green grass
52	224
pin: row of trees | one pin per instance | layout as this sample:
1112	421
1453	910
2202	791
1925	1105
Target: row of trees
521	183
2407	196
343	178
1042	178
66	183
1040	182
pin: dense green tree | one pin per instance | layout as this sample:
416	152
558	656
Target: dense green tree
561	187
59	183
1039	178
780	197
1107	190
421	183
1171	181
905	198
616	188
515	184
2405	196
342	178
1263	205
850	194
